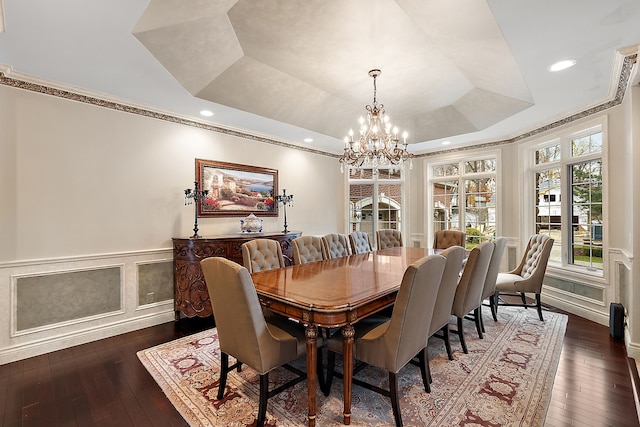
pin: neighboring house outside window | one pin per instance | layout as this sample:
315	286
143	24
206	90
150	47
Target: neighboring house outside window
375	200
567	183
472	211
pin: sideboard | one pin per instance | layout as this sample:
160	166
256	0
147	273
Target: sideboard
190	295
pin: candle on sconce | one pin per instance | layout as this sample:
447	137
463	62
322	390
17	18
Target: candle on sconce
198	196
285	200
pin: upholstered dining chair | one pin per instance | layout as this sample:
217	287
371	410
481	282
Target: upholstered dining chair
388	238
392	343
262	254
244	333
360	243
306	249
492	275
335	245
455	255
528	276
444	239
469	290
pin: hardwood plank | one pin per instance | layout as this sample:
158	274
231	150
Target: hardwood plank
104	384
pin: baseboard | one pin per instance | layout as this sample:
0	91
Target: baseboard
635	383
36	348
586	313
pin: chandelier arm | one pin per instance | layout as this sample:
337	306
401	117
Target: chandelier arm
377	145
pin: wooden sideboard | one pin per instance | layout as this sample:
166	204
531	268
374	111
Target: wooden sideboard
190	295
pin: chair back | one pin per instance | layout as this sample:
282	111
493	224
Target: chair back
410	320
444	239
471	283
534	262
262	254
359	242
335	245
307	249
388	238
494	267
242	329
447	289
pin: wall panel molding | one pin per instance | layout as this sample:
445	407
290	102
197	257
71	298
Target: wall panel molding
120	314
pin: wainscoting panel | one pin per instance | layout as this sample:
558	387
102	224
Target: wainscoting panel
577	288
62	297
155	282
52	304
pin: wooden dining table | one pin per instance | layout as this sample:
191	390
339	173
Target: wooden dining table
335	293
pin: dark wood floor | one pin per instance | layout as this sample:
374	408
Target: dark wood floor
103	383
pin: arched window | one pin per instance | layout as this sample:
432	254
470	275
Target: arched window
375	200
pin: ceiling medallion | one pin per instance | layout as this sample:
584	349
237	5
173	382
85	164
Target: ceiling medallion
378	142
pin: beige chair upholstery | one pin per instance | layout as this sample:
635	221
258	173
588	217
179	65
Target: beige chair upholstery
388	239
469	290
444	301
307	249
444	239
528	276
391	344
360	243
335	245
492	275
243	332
262	254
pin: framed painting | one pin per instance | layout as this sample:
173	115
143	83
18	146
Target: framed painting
236	190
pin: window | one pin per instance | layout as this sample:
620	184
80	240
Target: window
375	200
572	165
474	211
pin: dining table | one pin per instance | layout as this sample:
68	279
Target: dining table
335	293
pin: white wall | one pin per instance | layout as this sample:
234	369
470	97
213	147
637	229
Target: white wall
85	186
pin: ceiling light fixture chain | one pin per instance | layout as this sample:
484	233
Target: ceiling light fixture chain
378	144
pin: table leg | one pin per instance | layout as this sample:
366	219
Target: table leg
347	354
311	333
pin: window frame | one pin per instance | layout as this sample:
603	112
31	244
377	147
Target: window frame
462	176
564	138
375	181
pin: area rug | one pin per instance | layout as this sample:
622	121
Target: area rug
504	380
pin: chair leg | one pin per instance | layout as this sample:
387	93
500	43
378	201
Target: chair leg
493	303
393	391
264	394
523	297
481	319
224	370
476	315
331	364
496	299
423	358
461	334
322	382
447	341
539	306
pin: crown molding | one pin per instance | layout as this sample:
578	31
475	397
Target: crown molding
625	60
33	84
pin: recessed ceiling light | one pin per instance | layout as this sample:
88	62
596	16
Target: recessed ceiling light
308	140
446	142
206	113
562	65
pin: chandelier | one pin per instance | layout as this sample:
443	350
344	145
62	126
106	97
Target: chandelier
378	144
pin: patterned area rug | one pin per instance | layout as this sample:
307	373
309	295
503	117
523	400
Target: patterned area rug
505	380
